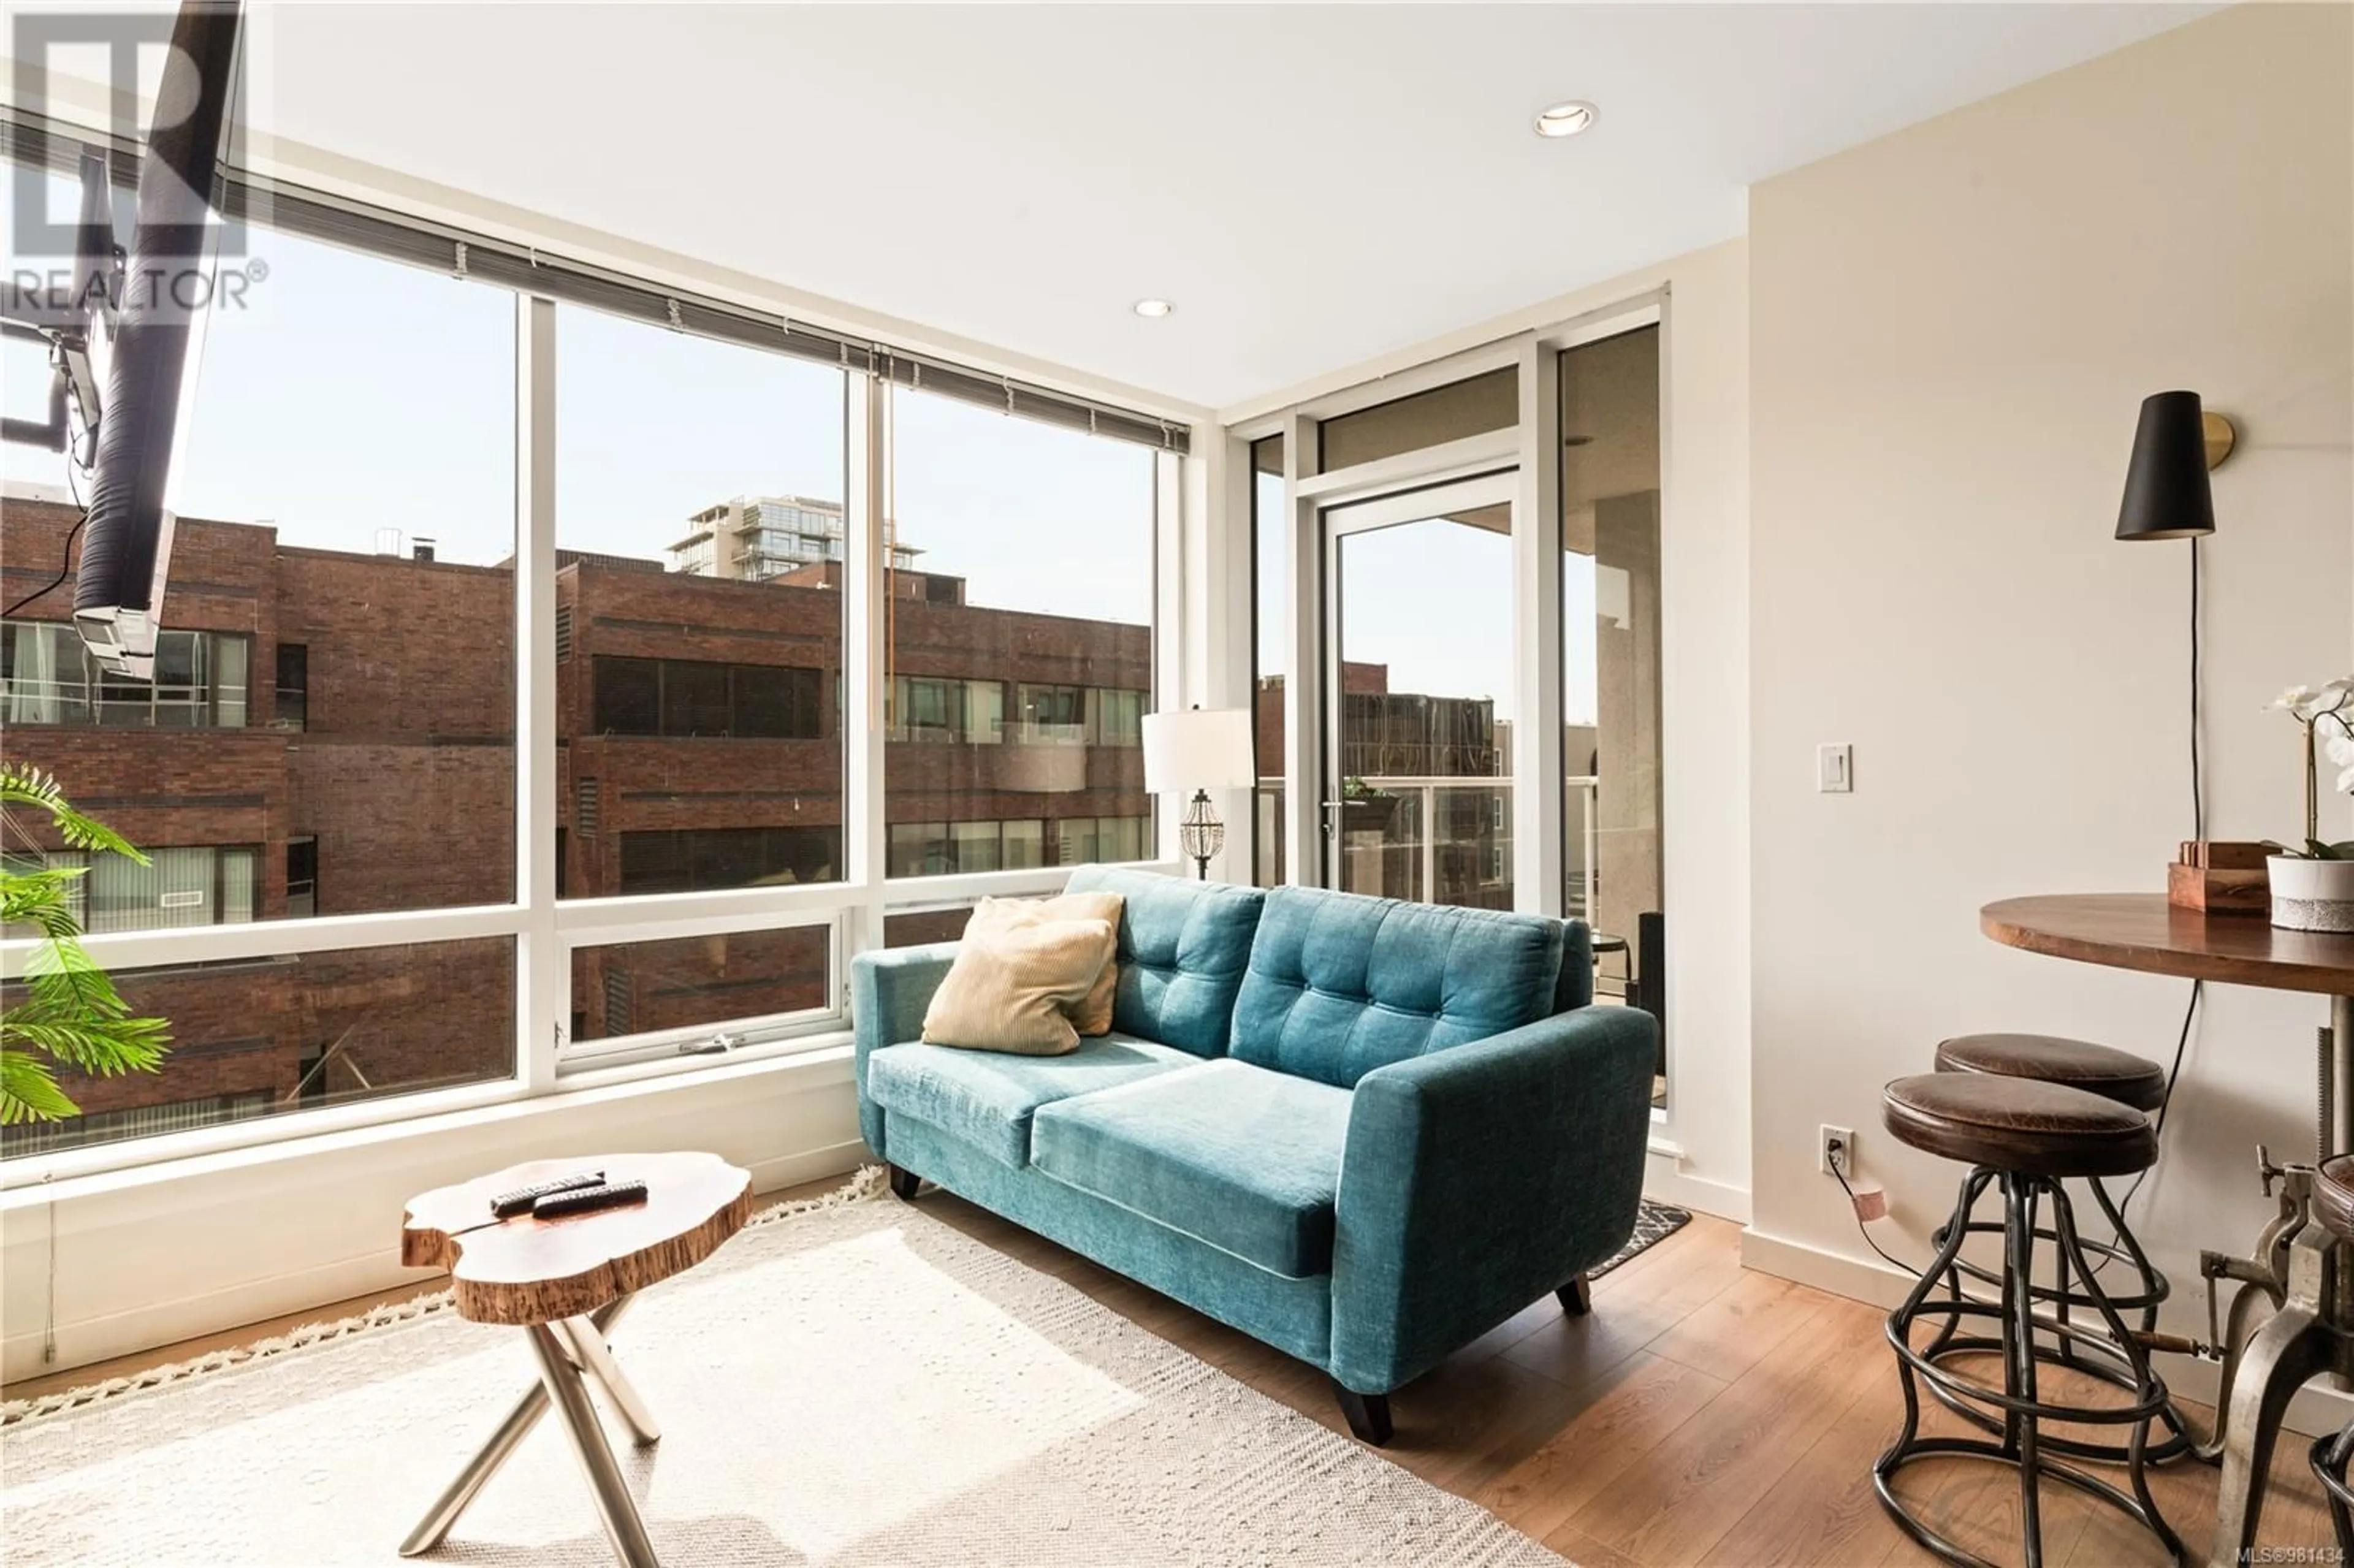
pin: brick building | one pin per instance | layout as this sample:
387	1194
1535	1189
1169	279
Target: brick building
1395	749
334	734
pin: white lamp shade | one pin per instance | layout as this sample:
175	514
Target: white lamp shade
1199	748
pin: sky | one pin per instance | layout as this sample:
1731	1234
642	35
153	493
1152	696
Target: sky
1432	600
354	397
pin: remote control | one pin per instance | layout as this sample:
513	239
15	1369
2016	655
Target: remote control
589	1200
507	1206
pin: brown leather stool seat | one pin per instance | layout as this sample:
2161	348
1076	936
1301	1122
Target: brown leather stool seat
2019	1124
2102	1070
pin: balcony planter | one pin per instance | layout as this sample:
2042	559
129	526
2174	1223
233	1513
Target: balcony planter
2312	895
1368	813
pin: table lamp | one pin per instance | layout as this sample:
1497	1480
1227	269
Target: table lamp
1199	749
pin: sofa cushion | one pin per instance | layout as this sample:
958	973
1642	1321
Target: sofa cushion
988	1099
1340	984
1245	1159
1182	949
1092	1015
1016	979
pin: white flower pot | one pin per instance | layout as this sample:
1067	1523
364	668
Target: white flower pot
2312	895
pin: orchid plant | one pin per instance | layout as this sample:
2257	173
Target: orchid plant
2325	713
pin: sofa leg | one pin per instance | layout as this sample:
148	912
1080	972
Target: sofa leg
1576	1296
904	1183
1368	1414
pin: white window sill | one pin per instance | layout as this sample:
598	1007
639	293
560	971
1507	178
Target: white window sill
818	1063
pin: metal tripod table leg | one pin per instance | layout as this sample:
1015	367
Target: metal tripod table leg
568	1350
2293	1346
615	1509
2311	1334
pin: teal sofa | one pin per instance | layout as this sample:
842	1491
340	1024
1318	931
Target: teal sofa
1364	1132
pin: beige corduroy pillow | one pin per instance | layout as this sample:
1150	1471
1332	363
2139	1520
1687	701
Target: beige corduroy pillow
1015	979
1093	1015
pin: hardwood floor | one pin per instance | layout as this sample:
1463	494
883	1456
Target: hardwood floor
1701	1415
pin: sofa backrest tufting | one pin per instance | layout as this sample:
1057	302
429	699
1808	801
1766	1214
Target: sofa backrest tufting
1339	984
1184	947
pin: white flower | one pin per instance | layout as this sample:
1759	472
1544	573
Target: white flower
2340	747
2307	704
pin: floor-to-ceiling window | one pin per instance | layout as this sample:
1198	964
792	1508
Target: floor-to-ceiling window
402	862
1017	640
1613	872
344	491
699	533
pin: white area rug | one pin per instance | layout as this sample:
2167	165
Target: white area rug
855	1384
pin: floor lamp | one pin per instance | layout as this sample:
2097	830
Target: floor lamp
1199	749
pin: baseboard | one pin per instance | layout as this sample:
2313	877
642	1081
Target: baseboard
2317	1411
1665	1181
774	1175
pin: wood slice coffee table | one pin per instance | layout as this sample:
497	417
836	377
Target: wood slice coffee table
565	1282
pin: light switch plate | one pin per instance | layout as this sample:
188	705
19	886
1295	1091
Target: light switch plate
1835	769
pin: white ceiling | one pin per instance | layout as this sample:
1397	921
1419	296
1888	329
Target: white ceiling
1313	185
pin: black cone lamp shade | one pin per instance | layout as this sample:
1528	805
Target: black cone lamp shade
2167	494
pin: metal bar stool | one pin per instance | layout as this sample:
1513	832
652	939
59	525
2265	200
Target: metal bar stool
2113	1075
2027	1137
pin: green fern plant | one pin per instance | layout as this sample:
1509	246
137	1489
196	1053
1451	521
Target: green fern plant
66	1010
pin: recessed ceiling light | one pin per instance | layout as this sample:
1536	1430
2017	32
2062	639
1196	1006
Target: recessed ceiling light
1566	118
1153	309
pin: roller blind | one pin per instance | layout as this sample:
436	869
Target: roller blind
31	139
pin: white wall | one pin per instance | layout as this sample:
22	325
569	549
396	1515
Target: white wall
1704	666
1953	328
147	1257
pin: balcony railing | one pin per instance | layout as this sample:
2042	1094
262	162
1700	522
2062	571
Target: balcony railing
1448	838
30	700
1009	734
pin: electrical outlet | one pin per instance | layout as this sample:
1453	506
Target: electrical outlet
1835	1151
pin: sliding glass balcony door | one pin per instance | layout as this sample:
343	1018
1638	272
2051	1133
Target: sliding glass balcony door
1458	666
1419	695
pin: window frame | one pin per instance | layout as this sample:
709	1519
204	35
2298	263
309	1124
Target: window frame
543	929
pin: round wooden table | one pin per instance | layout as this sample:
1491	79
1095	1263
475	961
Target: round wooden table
565	1282
2311	1329
2143	931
